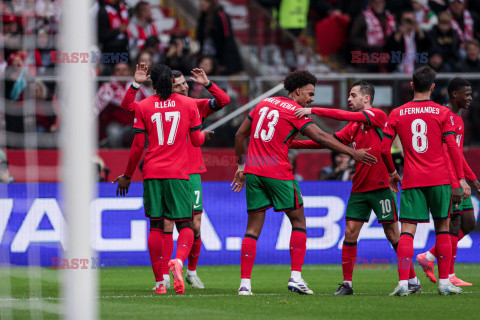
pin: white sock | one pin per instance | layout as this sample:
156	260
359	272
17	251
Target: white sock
296	275
413	281
349	283
444	282
403	282
181	263
246	283
451	275
191	273
430	256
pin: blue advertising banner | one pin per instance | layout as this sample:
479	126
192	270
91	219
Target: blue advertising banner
33	228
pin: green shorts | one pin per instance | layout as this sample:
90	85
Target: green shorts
264	193
415	203
169	199
465	206
382	201
196	189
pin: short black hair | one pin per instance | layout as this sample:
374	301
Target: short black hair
161	77
298	79
457	84
423	78
366	89
177	73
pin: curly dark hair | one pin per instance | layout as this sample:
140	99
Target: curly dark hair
457	84
161	77
298	79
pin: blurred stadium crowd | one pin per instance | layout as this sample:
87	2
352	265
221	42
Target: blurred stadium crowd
235	42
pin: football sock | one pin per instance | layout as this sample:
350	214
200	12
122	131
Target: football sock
184	244
246	283
248	253
194	254
191	273
167	250
296	275
348	283
155	248
431	256
404	256
444	282
349	256
298	248
454	241
413	280
402	282
412	276
444	252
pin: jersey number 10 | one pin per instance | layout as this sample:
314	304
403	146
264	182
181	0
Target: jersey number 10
259	132
169	116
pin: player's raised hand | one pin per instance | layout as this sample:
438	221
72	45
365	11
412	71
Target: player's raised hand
394	181
238	181
123	184
362	155
456	196
208	134
466	188
476	184
303	112
140	75
200	77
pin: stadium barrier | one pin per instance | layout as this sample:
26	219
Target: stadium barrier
120	229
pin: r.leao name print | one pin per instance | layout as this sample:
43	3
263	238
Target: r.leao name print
419	110
165	104
282	104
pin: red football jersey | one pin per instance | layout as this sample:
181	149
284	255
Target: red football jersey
205	108
459	129
366	134
274	126
167	124
421	126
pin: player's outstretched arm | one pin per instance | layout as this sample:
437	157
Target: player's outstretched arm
323	138
388	160
221	98
307	144
336	114
240	151
135	154
456	156
128	102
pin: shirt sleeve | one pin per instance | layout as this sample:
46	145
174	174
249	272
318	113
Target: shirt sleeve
138	123
344	135
300	124
307	144
390	132
128	102
195	122
390	127
375	117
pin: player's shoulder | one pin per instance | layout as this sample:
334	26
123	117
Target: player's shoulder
376	112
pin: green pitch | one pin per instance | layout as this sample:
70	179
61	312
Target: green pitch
125	293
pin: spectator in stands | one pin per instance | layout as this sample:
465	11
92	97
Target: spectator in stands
424	15
216	38
141	27
208	65
435	61
410	40
342	168
444	37
371	30
43	52
115	123
177	55
5	176
152	46
397	6
46	107
112	24
463	21
472	62
16	75
12	34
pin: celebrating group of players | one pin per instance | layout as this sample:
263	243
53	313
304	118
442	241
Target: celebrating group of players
431	136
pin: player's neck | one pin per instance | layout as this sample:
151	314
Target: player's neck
453	107
421	96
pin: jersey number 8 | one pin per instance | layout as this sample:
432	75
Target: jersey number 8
274	115
419	138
